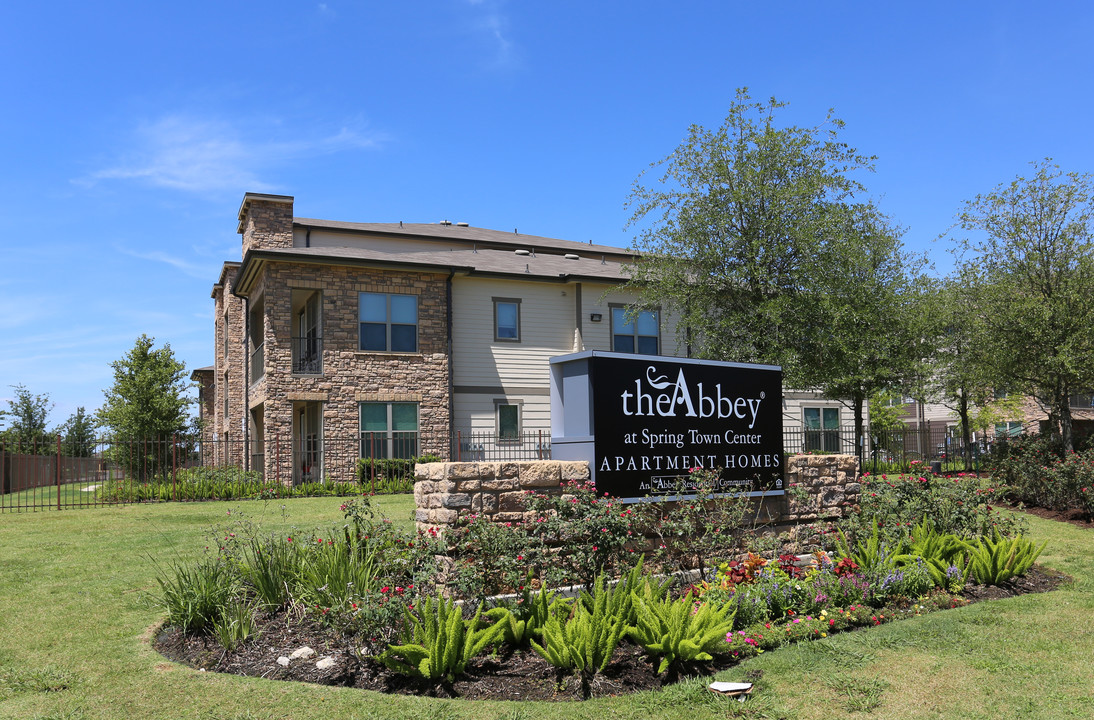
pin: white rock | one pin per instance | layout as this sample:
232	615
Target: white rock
304	652
283	661
325	664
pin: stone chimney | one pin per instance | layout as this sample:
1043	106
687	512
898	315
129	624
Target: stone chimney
265	221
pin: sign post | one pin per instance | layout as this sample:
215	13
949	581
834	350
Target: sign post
643	422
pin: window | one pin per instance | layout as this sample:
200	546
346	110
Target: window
389	323
639	335
1008	429
389	430
508	420
1083	401
821	429
507	319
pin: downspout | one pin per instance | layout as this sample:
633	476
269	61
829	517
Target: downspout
451	374
246	383
577	319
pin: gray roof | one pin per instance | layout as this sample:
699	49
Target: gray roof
450	232
479	261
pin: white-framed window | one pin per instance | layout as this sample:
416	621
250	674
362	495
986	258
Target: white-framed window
1008	429
389	430
641	335
507	319
507	420
388	322
821	428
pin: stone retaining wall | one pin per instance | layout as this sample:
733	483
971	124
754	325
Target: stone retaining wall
823	487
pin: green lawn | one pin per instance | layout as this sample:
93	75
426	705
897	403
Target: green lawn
76	618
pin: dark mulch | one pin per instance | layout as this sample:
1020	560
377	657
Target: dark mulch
1078	518
520	675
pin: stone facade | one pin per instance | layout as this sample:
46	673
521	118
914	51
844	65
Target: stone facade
228	428
349	376
822	487
445	492
257	424
265	222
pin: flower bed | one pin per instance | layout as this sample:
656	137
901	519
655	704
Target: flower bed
377	602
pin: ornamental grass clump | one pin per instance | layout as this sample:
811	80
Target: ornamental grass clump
196	596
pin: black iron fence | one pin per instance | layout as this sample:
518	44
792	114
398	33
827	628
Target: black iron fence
199	468
915	448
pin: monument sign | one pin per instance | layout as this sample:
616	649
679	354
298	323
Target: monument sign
644	421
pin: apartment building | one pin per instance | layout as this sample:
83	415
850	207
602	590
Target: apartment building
338	340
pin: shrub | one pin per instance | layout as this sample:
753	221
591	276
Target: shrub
576	536
960	505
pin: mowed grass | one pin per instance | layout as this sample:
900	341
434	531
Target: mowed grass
77	615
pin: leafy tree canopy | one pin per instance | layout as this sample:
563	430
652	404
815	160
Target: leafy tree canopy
739	230
25	421
1031	262
148	398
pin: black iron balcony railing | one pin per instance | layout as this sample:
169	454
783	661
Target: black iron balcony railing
307	355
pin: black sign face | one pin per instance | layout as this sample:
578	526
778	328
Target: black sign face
655	418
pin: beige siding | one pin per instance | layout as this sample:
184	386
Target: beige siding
597	335
546	329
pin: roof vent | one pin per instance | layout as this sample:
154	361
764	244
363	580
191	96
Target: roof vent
462	224
446	223
522	252
571	256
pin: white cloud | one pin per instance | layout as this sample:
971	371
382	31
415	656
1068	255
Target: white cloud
203	155
493	24
196	270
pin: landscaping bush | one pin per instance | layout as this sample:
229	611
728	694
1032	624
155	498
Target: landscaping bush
1034	470
961	505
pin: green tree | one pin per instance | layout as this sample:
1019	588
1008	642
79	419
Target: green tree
78	434
736	232
1030	261
25	419
864	328
146	408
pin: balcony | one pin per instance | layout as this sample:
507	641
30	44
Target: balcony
258	363
307	355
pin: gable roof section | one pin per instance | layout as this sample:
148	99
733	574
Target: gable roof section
489	253
483	237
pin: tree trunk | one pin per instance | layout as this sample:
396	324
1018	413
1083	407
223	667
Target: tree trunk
858	400
966	431
1065	424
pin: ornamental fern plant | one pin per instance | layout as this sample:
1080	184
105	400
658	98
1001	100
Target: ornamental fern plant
585	641
439	644
525	620
677	632
995	560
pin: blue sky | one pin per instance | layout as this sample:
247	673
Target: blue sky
132	130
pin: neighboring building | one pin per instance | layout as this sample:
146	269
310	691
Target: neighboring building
339	340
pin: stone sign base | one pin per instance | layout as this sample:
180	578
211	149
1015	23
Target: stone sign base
822	487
